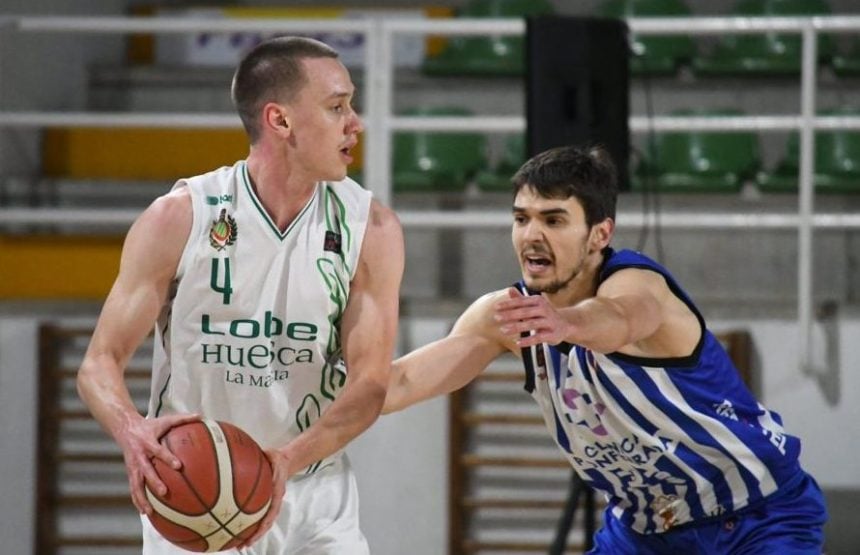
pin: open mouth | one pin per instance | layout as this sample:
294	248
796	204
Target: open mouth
537	263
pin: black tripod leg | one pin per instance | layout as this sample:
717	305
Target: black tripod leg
566	521
590	518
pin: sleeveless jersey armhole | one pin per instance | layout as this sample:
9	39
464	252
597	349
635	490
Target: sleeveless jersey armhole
197	224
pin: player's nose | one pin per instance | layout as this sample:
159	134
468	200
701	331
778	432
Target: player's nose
354	124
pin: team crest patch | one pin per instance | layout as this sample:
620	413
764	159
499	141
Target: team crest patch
223	231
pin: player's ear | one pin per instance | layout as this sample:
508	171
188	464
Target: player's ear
601	234
275	119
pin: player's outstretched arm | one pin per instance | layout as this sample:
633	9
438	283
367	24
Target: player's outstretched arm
634	311
450	363
149	260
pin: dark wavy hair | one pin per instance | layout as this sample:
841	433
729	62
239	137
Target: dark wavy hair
586	173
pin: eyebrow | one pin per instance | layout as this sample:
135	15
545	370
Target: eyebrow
546	212
341	94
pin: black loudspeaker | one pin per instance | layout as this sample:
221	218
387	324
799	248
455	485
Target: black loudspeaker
577	86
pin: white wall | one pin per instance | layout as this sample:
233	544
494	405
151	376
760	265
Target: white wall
402	468
830	434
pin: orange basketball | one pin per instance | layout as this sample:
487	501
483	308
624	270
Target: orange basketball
218	497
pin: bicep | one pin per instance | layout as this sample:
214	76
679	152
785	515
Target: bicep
369	324
150	256
635	294
658	322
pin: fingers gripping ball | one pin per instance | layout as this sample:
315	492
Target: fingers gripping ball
218	497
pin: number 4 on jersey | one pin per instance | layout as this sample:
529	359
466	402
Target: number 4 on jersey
225	289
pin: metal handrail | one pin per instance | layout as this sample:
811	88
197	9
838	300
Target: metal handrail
466	219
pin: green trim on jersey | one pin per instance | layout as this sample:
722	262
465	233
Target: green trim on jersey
335	210
262	211
161	396
332	378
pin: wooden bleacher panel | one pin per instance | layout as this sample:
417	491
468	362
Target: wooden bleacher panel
509	481
83	502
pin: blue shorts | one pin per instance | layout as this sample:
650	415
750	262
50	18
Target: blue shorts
789	523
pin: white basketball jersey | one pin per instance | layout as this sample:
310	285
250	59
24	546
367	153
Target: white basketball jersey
250	334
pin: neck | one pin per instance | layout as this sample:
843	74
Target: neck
281	189
583	286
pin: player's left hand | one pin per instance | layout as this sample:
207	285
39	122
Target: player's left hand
530	313
280	474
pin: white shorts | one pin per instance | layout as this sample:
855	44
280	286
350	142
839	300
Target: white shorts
319	516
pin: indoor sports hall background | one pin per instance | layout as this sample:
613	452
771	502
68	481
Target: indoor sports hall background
104	103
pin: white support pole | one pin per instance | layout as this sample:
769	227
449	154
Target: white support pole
385	91
377	144
166	25
806	197
371	109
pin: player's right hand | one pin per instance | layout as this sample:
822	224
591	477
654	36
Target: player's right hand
140	445
280	474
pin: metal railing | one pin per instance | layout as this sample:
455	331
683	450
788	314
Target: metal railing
380	122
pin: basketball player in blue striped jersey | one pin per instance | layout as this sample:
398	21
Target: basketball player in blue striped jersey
638	394
273	287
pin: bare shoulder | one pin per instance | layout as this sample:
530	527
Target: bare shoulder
382	258
383	240
634	280
157	238
382	219
170	211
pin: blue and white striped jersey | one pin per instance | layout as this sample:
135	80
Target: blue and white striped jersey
668	441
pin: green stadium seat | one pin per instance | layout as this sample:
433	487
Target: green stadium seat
430	161
701	161
847	63
765	53
653	54
513	156
837	162
487	55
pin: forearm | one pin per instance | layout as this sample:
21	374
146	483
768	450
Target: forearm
354	410
102	389
439	368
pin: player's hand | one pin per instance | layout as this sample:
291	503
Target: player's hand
280	473
139	443
520	314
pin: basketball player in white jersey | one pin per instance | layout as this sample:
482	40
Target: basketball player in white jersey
273	287
637	393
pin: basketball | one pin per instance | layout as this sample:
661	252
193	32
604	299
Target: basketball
218	497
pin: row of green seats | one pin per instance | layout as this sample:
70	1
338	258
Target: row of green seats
710	161
760	53
689	161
